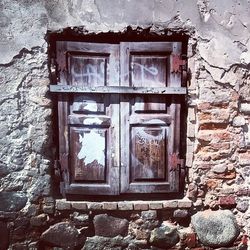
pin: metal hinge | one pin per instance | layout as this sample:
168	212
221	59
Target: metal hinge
175	162
178	63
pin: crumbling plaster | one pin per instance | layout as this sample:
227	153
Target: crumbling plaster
219	91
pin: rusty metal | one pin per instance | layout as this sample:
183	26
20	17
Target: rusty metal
175	161
177	63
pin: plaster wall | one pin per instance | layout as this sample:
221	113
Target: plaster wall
218	137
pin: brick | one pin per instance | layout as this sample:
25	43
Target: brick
184	204
244	159
141	206
227	200
155	205
63	205
110	205
79	205
125	206
95	205
170	204
190	240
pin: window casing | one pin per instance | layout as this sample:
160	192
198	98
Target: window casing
119	110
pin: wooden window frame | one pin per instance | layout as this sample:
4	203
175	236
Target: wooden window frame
118	178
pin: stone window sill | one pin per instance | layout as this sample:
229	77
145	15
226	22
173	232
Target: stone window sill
63	204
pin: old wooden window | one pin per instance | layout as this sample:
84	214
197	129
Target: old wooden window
119	116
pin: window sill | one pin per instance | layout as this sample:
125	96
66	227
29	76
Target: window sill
63	204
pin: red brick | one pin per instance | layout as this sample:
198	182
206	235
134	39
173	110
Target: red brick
190	240
227	200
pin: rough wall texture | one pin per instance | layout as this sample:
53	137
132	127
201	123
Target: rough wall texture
218	136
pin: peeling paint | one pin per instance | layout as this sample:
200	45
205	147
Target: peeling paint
92	121
92	148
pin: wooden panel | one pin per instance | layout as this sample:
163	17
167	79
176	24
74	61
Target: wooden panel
88	154
148	153
89	120
149	70
148	130
82	104
88	70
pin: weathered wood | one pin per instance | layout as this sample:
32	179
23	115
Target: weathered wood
87	124
119	90
119	126
148	130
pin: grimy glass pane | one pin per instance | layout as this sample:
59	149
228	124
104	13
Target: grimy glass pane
148	71
88	71
148	153
88	154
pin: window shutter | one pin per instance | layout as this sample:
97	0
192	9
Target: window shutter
119	117
149	123
89	146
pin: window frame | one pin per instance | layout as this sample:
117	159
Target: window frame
175	90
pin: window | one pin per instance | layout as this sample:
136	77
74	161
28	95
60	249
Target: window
119	110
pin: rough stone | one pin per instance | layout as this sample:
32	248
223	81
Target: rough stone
242	205
62	234
80	219
239	121
39	220
104	243
12	201
215	228
149	215
4	236
109	226
164	236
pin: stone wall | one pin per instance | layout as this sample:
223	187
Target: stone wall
214	212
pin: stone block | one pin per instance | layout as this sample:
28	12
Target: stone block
242	205
39	220
181	213
156	205
95	206
141	206
125	206
110	205
165	236
185	204
239	121
245	108
79	205
63	205
109	226
12	201
149	215
63	234
191	130
170	204
215	228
